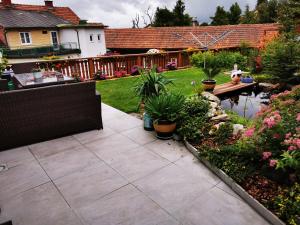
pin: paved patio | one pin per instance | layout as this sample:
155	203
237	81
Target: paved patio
121	175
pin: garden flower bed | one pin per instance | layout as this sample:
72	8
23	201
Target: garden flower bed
264	159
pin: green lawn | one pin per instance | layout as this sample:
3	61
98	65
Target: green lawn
119	94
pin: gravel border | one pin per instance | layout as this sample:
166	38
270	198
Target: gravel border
257	206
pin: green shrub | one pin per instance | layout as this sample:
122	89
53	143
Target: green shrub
223	133
287	205
224	59
234	162
235	118
193	119
281	59
261	78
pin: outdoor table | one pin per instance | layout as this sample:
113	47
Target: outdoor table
27	80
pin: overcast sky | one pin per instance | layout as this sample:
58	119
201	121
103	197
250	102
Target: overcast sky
119	13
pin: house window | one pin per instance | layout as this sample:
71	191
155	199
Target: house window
99	37
25	38
54	38
91	38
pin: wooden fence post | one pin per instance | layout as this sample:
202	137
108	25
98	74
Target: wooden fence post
91	68
180	63
139	61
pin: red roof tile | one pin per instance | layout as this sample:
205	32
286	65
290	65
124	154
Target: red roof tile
164	37
62	12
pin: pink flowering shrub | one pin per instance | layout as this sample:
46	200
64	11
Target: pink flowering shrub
277	128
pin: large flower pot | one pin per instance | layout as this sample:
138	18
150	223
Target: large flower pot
209	85
164	129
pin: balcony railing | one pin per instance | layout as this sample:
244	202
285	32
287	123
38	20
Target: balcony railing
40	51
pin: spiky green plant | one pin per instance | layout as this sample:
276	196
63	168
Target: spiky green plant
165	106
151	84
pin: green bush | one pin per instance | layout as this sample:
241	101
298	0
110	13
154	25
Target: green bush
232	160
281	59
193	119
287	205
223	133
224	59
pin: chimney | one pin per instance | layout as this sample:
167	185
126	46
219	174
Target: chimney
6	2
49	3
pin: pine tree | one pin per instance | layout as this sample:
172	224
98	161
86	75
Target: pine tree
221	17
248	16
234	14
289	15
177	17
180	18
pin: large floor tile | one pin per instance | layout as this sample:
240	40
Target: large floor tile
137	163
108	148
126	206
139	135
48	148
122	123
173	188
21	178
219	208
94	135
66	162
39	206
169	149
109	113
89	184
16	156
193	166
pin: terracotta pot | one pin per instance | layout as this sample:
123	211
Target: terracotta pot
164	129
209	85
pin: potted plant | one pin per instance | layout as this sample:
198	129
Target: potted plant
150	84
211	67
165	109
37	74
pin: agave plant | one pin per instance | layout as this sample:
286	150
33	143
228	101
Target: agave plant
165	107
151	84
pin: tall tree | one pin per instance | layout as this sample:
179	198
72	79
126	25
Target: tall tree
234	14
263	15
260	2
163	18
180	17
273	10
248	16
220	17
177	17
289	15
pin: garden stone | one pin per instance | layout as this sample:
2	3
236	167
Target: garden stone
215	128
213	105
237	128
211	97
223	117
212	112
268	86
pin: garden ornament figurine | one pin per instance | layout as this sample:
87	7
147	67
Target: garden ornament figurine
236	76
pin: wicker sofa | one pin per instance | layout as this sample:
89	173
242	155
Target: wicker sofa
39	114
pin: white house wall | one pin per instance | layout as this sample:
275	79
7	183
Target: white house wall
88	48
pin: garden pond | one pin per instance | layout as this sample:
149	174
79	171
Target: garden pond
246	102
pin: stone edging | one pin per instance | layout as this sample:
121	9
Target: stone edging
257	206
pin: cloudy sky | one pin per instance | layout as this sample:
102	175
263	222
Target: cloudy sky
119	13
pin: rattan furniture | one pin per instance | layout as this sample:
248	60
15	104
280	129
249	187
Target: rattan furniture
29	116
3	85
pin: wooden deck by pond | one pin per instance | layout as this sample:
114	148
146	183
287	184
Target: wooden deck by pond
230	87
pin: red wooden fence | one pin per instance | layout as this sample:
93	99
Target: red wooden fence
86	67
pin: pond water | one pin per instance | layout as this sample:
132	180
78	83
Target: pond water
245	103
